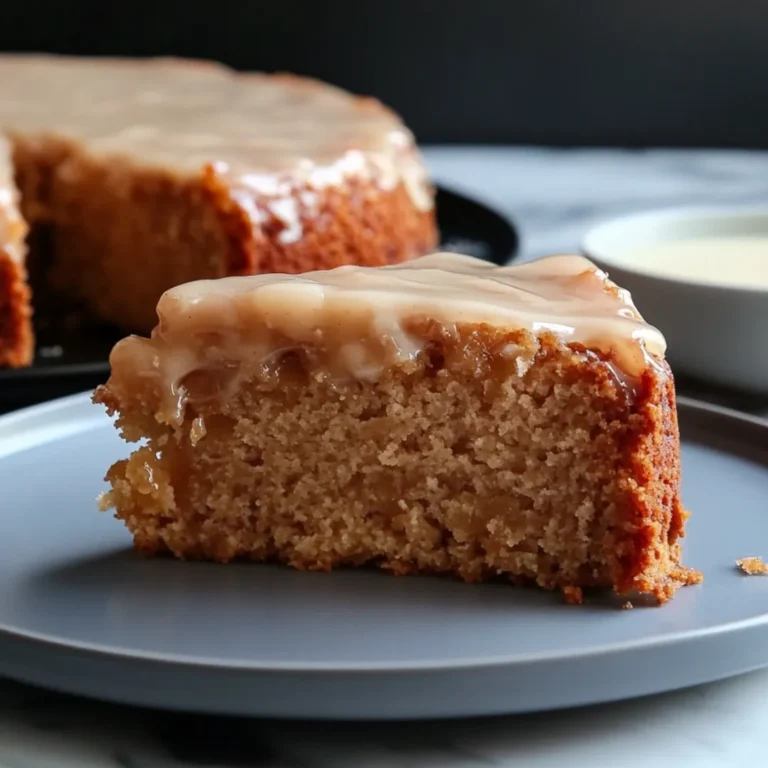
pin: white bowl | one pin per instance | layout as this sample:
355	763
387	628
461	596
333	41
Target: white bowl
717	333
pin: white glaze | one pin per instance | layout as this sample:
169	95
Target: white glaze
566	295
271	134
356	320
734	261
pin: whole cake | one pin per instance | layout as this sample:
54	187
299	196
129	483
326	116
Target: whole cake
441	416
138	175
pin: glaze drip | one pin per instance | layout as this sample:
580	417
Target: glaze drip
355	322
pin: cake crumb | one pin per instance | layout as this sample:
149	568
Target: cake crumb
752	566
573	595
197	431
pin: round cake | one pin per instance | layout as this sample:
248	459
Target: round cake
134	176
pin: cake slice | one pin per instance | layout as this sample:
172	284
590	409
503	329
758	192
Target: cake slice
439	416
16	343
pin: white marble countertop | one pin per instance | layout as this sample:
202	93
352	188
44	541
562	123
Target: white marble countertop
553	196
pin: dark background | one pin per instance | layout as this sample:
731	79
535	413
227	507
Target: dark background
561	72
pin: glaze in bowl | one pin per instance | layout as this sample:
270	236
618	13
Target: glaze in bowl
715	332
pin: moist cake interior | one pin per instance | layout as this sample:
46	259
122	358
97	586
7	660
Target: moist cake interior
388	417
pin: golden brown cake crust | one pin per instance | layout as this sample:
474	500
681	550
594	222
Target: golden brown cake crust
649	559
358	225
455	463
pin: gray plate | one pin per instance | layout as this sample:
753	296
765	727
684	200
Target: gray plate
80	612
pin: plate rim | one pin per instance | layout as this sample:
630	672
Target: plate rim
10	424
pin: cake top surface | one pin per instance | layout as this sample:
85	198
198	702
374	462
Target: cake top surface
566	295
356	322
185	114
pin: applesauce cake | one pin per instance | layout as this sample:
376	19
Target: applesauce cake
438	416
138	175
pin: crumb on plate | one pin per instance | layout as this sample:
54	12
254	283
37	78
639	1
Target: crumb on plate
573	595
752	566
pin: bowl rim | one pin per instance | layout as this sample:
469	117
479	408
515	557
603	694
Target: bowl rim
687	212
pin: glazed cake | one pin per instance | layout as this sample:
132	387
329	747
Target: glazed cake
441	416
138	175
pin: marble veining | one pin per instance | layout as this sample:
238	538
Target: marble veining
553	196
